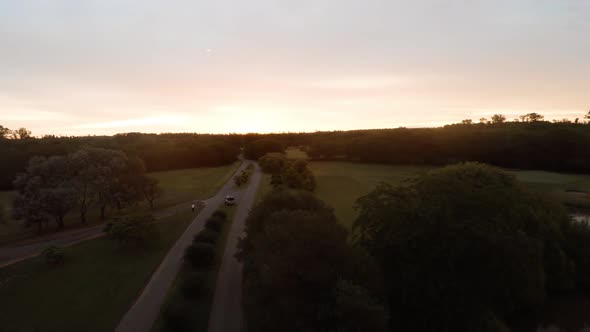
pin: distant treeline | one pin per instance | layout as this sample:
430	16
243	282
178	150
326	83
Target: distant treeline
159	152
563	147
531	144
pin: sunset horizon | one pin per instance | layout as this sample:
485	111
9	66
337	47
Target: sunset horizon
105	67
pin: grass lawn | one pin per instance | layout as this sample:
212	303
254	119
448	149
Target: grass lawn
201	307
90	292
295	153
196	183
179	186
340	184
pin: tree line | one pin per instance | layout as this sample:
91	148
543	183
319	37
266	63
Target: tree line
529	143
159	152
50	188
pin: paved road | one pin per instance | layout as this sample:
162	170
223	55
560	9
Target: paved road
32	248
144	312
226	312
11	255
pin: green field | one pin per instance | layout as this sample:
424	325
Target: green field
201	308
178	186
90	292
295	153
340	184
196	183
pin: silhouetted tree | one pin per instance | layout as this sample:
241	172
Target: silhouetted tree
468	243
498	118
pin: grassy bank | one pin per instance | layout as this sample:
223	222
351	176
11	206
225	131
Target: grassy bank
201	307
91	291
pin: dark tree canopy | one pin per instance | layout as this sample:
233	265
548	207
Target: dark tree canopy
259	148
158	152
300	273
464	248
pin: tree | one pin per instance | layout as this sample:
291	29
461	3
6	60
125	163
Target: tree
297	266
483	120
531	117
467	121
46	187
21	133
4	132
587	116
259	148
468	243
272	163
498	118
151	190
133	230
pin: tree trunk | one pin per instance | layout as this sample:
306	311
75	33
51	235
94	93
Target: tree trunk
102	212
60	222
83	214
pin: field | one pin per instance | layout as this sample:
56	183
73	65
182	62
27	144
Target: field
179	186
196	183
90	292
340	184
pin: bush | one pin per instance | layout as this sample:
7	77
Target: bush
199	255
54	255
195	285
214	224
206	236
220	214
177	316
133	230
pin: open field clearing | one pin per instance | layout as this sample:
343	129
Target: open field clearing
340	184
91	291
196	183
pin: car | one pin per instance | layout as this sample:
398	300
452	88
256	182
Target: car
230	200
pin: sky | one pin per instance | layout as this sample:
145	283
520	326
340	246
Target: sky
78	67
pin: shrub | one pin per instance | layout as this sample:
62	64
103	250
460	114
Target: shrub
206	236
195	285
177	316
54	255
220	214
199	255
214	223
136	230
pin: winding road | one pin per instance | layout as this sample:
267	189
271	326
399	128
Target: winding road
226	312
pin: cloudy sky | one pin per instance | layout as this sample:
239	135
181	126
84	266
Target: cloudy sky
100	67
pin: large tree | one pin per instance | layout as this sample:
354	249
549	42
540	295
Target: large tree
463	248
301	274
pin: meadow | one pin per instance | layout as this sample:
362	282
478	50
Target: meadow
179	186
340	184
91	291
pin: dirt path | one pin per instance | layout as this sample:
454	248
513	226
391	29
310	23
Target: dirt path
144	312
226	312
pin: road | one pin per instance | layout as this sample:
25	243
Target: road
32	248
226	312
144	312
